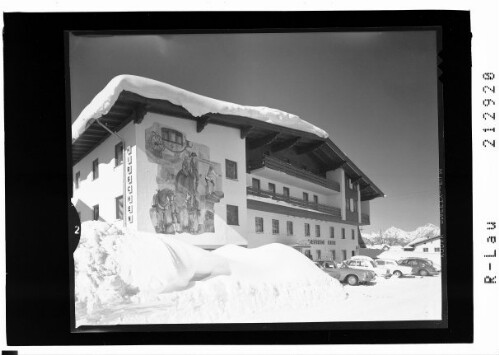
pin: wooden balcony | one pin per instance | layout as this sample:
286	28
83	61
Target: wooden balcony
333	211
279	165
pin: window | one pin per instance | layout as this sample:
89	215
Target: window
350	184
96	212
285	191
437	250
316	199
331	232
289	228
307	230
348	204
259	224
77	180
344	254
275	226
342	233
255	183
232	215
353	233
118	154
95	169
318	254
353	252
230	169
352	207
380	262
355	206
318	231
425	250
119	207
333	252
305	197
272	187
172	136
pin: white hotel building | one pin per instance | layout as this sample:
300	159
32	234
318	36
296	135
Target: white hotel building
169	161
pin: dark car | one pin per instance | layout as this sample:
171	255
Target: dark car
420	266
345	274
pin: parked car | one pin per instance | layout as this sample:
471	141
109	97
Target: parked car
362	262
345	274
420	266
396	269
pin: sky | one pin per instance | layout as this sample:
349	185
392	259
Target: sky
375	93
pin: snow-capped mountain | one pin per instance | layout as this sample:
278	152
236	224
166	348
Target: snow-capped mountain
397	236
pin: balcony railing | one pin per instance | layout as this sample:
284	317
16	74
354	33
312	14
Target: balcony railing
334	211
365	219
279	165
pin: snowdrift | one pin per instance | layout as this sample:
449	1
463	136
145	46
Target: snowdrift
124	277
197	105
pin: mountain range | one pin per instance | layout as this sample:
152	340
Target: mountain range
396	236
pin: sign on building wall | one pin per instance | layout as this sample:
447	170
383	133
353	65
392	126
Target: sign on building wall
188	182
129	185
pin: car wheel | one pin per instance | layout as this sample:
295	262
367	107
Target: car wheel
397	274
423	272
352	280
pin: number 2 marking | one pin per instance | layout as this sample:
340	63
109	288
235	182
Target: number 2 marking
77	229
493	143
492	89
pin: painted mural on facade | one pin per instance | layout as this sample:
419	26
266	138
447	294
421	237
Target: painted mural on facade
188	182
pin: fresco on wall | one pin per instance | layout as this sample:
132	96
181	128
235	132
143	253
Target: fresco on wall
188	182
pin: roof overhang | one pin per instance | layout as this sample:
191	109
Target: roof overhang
131	107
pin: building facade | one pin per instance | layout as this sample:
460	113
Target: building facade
425	245
216	178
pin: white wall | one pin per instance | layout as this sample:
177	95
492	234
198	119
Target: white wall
258	239
109	185
365	207
338	200
431	245
223	143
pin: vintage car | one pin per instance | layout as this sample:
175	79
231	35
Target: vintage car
396	269
361	262
420	266
345	274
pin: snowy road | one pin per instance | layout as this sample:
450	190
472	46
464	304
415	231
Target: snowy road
408	298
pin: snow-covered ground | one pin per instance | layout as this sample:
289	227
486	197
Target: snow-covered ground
140	278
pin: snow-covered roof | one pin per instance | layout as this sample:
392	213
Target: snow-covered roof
421	240
195	104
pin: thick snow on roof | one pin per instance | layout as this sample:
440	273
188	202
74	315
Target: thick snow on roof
197	105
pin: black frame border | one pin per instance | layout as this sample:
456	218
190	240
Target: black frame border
38	309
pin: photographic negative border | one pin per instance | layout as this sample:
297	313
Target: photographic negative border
20	63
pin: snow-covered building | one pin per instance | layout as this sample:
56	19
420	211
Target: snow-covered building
425	245
166	160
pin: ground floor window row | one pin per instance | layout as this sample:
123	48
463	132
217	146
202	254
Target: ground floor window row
336	255
259	228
